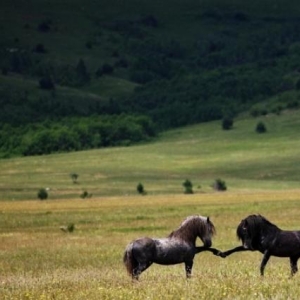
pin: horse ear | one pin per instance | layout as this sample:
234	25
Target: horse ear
208	220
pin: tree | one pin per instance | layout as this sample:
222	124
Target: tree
140	189
86	194
42	194
40	48
74	177
219	185
188	186
260	127
227	123
46	83
82	74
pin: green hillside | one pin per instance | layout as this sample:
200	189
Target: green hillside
172	63
243	158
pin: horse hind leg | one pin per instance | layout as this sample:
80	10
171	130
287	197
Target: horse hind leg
188	269
141	267
294	267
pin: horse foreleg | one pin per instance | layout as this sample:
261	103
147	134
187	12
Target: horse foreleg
293	263
229	252
188	268
264	262
213	250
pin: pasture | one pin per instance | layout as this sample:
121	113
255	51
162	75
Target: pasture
40	261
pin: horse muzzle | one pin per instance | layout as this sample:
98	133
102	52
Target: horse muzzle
247	246
207	243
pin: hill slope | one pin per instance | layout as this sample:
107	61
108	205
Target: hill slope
244	159
176	62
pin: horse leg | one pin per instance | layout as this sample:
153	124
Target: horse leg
293	263
142	251
212	250
188	268
229	252
141	267
264	262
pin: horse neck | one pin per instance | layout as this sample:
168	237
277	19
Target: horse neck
269	229
185	234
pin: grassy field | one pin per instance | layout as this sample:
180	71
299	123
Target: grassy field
39	261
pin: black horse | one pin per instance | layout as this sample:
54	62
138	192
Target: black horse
258	234
178	247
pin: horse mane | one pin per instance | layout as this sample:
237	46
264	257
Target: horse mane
192	227
255	224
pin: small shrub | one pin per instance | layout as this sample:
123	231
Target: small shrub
74	177
89	45
44	26
42	194
46	83
40	48
219	185
4	71
69	228
140	189
297	85
227	123
107	69
258	111
260	127
85	195
292	104
121	63
188	187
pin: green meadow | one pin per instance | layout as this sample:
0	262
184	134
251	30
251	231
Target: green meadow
244	159
40	261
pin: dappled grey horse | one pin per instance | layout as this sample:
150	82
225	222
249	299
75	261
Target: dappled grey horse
178	247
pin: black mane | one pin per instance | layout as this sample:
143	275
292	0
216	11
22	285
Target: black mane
255	224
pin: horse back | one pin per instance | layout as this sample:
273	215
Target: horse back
286	244
143	247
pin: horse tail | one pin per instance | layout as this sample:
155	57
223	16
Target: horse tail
128	259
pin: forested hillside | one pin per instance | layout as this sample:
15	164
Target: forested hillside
87	74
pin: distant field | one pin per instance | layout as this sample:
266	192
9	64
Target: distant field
39	261
245	160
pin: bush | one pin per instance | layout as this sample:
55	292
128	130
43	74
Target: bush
260	127
104	70
227	123
42	194
69	228
82	74
44	26
74	177
46	83
40	48
188	186
140	189
85	195
219	185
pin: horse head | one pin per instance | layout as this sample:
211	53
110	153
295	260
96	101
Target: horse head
206	231
249	231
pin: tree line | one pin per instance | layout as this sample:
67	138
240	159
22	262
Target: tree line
73	134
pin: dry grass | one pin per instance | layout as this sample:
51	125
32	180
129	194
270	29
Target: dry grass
39	261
